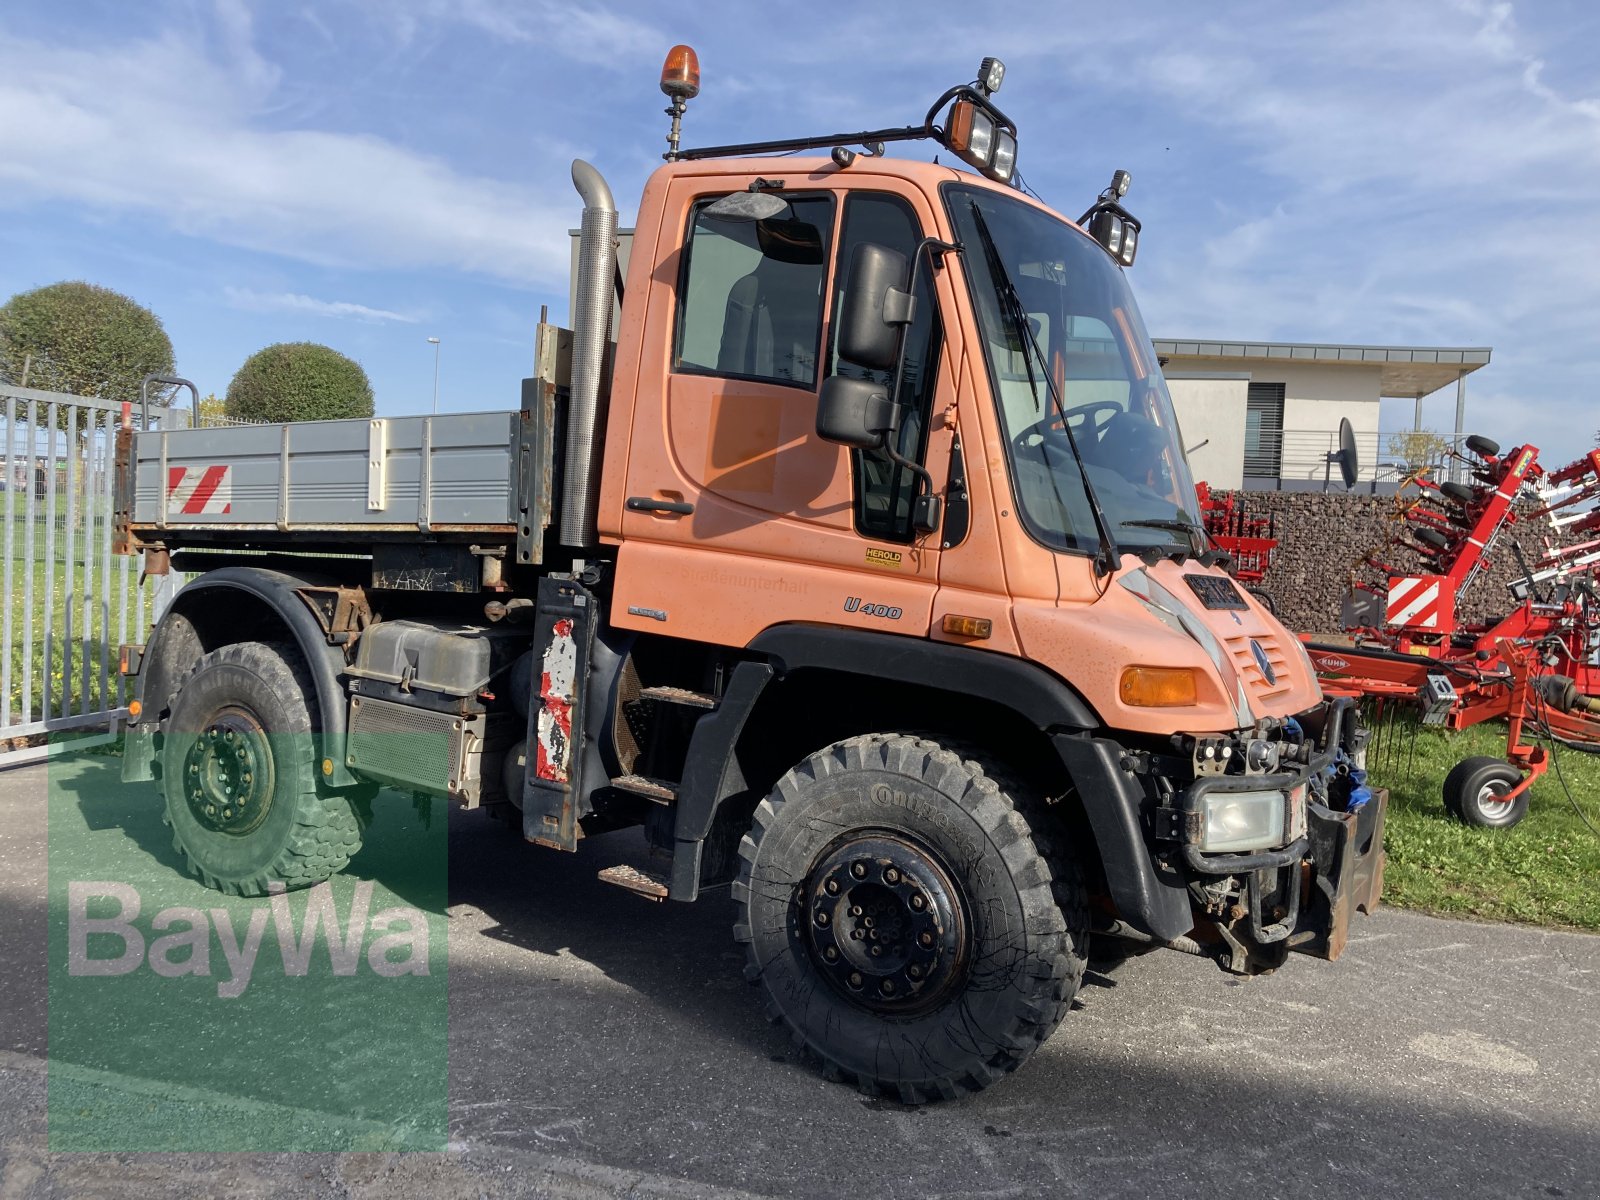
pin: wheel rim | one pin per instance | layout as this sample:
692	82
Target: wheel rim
1493	803
228	775
884	923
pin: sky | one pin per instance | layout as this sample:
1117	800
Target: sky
373	173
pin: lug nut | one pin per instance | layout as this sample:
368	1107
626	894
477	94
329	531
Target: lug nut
855	979
917	902
831	954
914	971
890	875
822	918
859	870
211	810
926	939
887	987
832	887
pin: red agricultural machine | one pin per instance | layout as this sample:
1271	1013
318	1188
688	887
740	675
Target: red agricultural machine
1248	538
1536	666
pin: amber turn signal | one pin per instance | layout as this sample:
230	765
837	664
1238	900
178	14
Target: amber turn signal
680	74
1158	687
972	627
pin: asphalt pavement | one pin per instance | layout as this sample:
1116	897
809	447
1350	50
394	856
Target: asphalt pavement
603	1045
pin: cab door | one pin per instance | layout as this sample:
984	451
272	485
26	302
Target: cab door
737	515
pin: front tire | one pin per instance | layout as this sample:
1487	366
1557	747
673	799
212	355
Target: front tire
907	916
238	761
1476	790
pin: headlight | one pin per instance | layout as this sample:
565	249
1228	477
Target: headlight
1241	821
1005	157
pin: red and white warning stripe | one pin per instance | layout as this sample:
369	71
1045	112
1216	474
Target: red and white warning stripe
199	491
1414	602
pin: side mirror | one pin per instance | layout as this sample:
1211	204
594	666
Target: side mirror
855	412
875	307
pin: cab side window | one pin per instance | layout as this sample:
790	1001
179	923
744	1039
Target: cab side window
750	295
883	491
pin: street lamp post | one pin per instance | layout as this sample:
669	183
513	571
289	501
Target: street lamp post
435	343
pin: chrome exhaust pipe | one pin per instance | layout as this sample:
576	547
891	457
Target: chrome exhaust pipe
591	334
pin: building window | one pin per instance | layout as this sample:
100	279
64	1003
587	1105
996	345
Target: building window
751	295
1263	431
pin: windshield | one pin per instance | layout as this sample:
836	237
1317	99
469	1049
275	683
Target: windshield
1072	353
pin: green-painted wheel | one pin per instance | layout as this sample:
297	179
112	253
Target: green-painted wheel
239	774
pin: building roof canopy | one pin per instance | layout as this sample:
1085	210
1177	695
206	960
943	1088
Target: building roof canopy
1407	371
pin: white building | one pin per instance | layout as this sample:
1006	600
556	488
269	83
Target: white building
1266	414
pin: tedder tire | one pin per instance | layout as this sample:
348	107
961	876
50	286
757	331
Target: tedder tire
238	772
1475	791
908	916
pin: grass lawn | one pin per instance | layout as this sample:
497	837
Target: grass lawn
1543	871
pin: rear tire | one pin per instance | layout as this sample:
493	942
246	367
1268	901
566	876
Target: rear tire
908	917
238	773
1475	792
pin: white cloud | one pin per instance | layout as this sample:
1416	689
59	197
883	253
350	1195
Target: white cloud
164	130
580	32
253	301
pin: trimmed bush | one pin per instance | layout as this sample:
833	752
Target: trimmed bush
299	381
83	339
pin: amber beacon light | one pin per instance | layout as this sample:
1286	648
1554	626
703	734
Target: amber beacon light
680	74
680	79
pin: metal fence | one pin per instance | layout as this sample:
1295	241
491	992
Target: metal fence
1300	456
69	604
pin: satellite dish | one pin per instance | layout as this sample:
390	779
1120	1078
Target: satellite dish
747	206
1349	464
1344	456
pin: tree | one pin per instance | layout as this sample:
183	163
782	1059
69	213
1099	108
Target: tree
87	340
211	410
299	381
1418	448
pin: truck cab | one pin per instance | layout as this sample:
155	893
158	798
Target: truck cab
857	560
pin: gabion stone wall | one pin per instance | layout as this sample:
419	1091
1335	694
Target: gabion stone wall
1321	536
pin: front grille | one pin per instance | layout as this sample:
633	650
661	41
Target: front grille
1250	671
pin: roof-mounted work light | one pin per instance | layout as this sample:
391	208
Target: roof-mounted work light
1108	223
972	127
977	131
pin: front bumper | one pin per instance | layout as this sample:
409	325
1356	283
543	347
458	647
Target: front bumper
1346	876
1302	896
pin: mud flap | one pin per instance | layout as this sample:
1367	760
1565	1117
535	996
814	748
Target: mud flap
1345	874
561	648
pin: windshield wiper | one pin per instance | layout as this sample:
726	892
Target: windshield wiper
1108	558
1176	525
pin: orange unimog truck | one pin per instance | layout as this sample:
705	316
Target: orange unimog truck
859	564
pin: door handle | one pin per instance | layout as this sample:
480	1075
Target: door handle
679	508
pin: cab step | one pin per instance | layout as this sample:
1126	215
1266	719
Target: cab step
659	790
642	883
678	695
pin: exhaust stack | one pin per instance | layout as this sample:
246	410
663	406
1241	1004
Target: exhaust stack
591	330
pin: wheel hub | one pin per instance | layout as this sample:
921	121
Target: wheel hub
227	774
884	924
1492	801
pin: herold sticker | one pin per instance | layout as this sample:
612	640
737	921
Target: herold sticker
888	559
